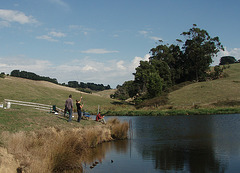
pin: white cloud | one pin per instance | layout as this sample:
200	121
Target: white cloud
21	63
61	3
99	51
235	52
50	35
57	34
46	37
16	16
82	70
143	32
120	65
155	38
4	24
137	59
146	34
69	42
89	68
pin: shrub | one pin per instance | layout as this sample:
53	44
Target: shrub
2	75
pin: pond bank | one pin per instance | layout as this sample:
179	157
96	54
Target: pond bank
57	150
200	111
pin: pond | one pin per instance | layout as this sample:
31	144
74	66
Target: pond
206	143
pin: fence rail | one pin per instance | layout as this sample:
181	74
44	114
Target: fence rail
44	107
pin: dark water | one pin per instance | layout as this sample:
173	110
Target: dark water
174	144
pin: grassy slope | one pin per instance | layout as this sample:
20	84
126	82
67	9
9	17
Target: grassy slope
106	93
49	93
205	93
26	118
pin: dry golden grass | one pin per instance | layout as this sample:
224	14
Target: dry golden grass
118	130
55	150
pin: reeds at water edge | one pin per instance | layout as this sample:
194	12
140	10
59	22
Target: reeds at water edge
59	150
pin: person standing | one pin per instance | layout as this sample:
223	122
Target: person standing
69	107
79	109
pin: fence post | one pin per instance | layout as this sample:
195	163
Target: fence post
8	105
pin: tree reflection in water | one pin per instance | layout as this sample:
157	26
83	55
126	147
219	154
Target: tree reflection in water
179	144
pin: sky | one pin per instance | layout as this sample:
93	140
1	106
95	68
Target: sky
103	41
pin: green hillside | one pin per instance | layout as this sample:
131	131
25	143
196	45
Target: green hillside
224	90
48	93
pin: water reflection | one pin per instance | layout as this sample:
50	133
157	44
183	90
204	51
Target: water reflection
180	143
175	144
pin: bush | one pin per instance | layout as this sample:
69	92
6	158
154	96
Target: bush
2	75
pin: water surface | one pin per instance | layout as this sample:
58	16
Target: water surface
206	143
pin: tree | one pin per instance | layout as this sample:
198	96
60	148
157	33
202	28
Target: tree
199	48
217	72
2	75
15	73
123	92
172	56
154	85
227	60
163	71
32	76
148	80
141	75
73	84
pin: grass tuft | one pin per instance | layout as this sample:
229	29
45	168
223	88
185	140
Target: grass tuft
119	130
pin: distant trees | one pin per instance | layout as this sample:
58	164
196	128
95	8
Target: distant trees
91	86
173	64
227	60
32	76
128	89
2	75
73	84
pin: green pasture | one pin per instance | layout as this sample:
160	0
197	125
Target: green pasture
209	93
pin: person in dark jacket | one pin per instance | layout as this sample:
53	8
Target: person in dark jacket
79	109
69	107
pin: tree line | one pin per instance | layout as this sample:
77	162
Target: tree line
88	85
85	87
170	65
32	76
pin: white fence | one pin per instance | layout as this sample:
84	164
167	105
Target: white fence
50	108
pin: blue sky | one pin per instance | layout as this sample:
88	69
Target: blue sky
102	41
